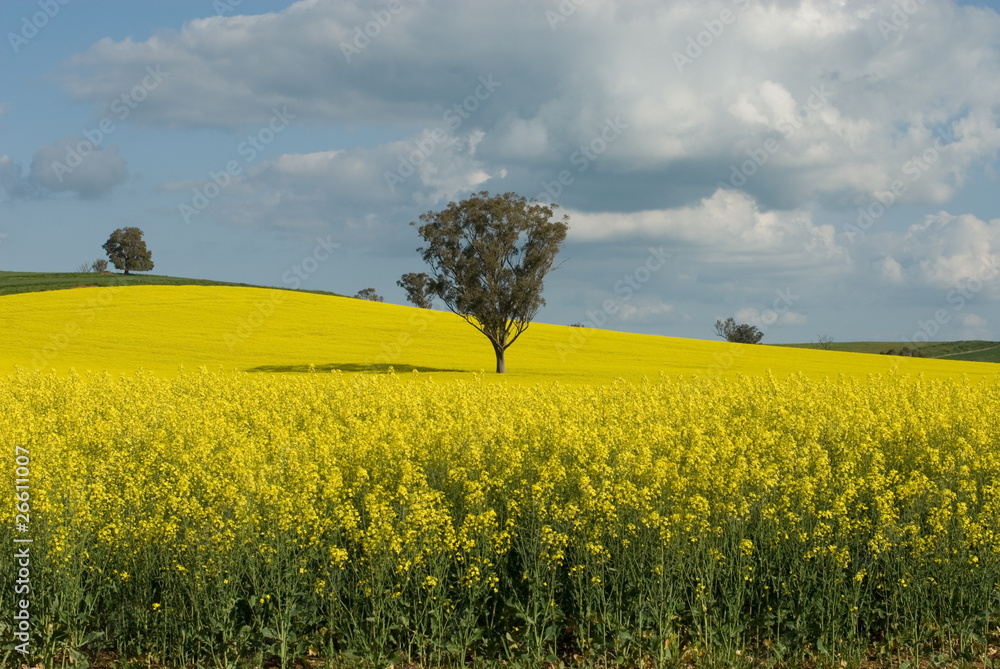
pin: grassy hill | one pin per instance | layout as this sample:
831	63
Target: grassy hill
931	349
978	350
28	282
989	354
159	327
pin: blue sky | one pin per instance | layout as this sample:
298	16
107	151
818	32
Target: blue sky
824	167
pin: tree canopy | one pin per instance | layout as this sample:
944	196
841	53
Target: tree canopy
127	251
489	257
739	333
369	294
417	287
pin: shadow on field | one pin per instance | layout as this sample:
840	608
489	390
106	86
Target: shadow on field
373	368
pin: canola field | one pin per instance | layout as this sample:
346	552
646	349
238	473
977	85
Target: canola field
159	328
680	515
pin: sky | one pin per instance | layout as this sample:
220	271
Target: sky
816	168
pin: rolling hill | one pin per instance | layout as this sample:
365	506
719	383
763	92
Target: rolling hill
28	282
984	351
161	327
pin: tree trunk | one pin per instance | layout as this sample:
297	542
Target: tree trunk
501	363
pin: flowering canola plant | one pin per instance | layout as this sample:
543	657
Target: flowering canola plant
212	516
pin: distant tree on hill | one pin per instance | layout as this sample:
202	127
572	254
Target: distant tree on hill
489	257
738	333
83	268
100	266
417	287
369	294
127	251
905	351
825	341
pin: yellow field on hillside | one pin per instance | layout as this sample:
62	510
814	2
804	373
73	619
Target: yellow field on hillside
207	515
158	328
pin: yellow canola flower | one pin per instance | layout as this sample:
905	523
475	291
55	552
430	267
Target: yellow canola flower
408	489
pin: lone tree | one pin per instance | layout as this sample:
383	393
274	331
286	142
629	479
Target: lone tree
369	294
489	257
417	287
743	333
127	251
